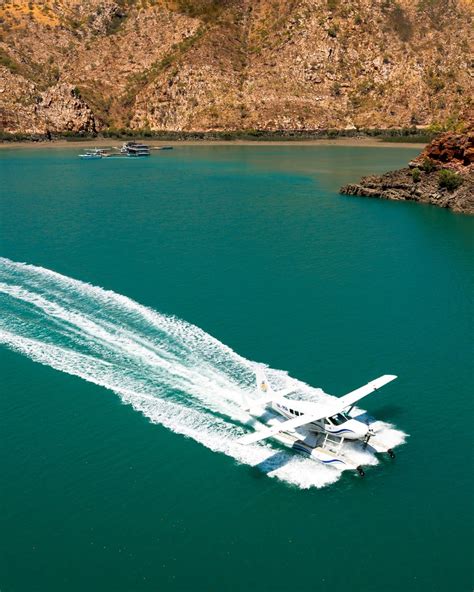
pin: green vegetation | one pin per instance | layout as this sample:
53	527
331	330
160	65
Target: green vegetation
407	134
415	138
365	87
450	124
428	165
8	62
434	82
115	23
137	82
206	10
449	180
416	174
435	10
96	100
227	135
400	23
78	25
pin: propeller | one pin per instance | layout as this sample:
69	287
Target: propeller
369	435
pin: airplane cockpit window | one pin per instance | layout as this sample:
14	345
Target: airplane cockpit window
338	419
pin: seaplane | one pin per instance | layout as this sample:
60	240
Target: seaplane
318	429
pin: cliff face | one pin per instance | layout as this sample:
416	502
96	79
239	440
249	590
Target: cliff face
442	175
233	64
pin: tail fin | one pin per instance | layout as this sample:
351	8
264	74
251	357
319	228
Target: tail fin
264	392
263	386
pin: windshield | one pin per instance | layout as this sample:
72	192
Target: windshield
338	419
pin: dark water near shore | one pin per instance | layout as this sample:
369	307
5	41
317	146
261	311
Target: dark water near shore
254	246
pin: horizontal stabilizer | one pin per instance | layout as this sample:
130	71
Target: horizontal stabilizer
273	396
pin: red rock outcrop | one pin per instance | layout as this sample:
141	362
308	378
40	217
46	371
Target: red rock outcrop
450	150
425	179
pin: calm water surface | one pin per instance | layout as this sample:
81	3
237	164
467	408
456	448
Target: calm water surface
254	246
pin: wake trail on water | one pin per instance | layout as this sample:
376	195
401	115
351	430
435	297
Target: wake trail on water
171	371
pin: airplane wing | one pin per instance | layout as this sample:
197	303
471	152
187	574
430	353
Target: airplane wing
363	391
290	424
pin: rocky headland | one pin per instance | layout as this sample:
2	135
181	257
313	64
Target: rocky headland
442	175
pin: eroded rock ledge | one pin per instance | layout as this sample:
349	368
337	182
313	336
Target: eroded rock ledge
442	175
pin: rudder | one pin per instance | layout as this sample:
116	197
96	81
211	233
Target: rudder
262	385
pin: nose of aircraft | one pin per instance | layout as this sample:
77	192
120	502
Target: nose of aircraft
360	429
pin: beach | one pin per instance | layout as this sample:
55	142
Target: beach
111	142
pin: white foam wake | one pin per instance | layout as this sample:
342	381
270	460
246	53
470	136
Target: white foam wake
171	371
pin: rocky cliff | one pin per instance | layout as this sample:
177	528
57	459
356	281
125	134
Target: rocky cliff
233	64
442	175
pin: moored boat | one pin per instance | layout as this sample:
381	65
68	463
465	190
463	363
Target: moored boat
94	154
135	149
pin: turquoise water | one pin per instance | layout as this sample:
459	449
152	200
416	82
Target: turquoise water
254	247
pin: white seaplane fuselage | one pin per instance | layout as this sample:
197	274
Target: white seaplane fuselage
340	425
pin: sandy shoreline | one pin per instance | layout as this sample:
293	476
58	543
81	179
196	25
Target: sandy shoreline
102	142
